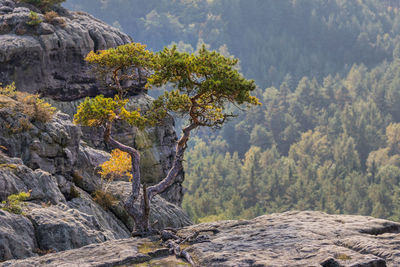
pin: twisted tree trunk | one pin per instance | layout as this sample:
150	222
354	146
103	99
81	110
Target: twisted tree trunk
176	166
141	214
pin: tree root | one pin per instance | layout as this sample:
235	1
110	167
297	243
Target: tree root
175	248
173	242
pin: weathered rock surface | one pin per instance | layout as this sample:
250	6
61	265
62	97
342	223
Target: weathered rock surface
15	177
285	239
109	224
156	146
162	213
49	160
17	237
61	228
52	147
300	239
48	58
110	253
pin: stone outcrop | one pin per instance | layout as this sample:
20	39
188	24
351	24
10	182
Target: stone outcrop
17	237
299	239
49	58
110	253
51	161
59	228
58	161
156	144
52	147
15	177
285	239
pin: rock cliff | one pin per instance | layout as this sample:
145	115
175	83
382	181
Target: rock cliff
48	58
50	160
286	239
57	161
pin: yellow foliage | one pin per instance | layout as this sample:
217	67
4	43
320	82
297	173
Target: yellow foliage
28	104
119	165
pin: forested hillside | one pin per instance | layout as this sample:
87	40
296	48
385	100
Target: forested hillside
272	38
327	136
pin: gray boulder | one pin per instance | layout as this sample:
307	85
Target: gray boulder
16	177
17	237
60	228
53	147
107	221
86	170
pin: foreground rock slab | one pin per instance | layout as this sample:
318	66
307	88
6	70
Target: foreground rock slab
109	253
285	239
299	239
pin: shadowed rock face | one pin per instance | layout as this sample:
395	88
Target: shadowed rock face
284	239
49	58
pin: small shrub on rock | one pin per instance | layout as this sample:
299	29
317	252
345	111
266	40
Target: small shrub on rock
37	109
104	199
30	105
14	203
34	19
52	17
74	193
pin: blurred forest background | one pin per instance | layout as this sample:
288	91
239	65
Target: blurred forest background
328	134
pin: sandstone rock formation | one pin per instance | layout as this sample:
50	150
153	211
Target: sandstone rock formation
307	238
17	237
286	239
48	158
110	253
49	59
58	161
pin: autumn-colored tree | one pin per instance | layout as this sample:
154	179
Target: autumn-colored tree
203	84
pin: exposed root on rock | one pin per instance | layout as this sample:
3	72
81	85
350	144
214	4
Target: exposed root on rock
173	242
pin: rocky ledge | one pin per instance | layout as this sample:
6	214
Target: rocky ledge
286	239
50	160
48	57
